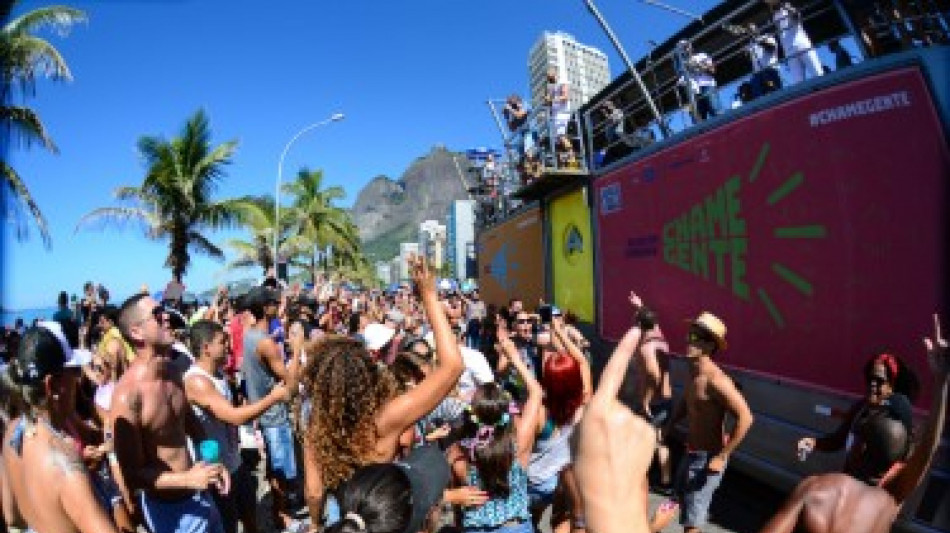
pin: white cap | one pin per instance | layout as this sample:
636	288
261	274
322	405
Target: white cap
377	335
73	358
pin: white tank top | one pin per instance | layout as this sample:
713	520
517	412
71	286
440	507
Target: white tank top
226	434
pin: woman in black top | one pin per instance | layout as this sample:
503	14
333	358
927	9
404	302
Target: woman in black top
877	430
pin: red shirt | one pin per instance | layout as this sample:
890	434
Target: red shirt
236	355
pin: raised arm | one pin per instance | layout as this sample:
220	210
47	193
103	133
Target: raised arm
201	392
557	324
938	355
405	409
614	450
528	423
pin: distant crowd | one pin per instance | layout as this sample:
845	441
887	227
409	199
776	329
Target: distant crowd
405	411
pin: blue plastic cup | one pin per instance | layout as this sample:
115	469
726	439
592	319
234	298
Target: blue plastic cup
210	451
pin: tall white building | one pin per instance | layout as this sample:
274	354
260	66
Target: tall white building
406	249
584	68
460	226
432	242
384	272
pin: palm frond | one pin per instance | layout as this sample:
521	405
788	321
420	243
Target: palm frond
59	18
21	196
210	169
201	244
241	263
30	57
223	214
24	125
120	217
243	248
132	193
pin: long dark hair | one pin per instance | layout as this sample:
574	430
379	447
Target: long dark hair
490	436
38	354
377	499
489	338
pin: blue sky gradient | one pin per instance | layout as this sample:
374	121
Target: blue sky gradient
408	75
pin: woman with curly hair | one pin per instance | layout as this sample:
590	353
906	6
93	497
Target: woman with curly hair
356	415
877	430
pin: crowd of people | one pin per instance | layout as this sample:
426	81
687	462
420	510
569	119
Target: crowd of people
407	411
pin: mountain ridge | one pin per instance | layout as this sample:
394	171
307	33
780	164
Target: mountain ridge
389	211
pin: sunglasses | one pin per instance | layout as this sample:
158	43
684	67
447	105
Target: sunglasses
698	336
159	313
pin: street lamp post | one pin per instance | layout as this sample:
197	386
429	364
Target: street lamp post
280	174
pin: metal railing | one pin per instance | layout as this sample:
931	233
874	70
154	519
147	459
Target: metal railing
611	133
534	148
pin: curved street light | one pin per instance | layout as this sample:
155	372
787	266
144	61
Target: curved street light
280	174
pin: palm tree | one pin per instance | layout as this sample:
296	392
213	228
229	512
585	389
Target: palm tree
316	222
174	201
24	57
257	216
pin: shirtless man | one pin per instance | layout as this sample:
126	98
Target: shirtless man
43	466
653	393
839	503
708	395
151	421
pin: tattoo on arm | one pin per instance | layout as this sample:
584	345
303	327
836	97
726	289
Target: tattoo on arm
66	458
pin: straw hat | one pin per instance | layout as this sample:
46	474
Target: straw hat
713	325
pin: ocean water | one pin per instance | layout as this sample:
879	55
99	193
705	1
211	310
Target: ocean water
8	317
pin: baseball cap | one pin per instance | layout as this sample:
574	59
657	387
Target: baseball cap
428	474
51	360
377	335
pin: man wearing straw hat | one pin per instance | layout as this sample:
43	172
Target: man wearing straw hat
708	395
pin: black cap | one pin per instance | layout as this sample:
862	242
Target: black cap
261	296
39	357
428	474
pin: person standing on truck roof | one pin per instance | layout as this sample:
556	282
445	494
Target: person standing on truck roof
800	56
709	394
839	503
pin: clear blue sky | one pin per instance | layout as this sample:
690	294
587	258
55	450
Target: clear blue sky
408	75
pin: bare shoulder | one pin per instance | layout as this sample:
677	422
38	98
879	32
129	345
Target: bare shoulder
196	386
718	379
722	385
64	458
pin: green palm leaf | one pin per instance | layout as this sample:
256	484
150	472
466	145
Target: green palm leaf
175	198
24	125
21	197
